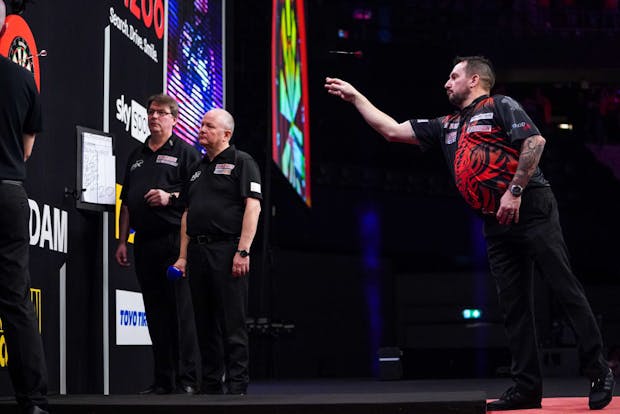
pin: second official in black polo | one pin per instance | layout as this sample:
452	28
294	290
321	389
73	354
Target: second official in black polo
223	206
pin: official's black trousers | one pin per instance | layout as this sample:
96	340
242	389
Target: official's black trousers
26	362
514	252
169	311
220	303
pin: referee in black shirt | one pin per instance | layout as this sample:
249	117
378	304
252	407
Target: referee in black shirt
154	176
223	206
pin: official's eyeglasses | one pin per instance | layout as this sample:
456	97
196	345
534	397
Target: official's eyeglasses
159	112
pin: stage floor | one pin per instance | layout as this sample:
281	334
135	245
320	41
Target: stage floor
327	396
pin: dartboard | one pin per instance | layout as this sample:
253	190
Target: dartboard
19	52
17	44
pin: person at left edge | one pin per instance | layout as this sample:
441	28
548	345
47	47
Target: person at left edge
153	178
20	121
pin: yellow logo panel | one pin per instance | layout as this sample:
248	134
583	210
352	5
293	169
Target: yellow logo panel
35	297
118	215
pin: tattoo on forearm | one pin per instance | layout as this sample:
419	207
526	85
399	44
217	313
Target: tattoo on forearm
531	151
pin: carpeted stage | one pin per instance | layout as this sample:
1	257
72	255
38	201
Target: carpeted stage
357	396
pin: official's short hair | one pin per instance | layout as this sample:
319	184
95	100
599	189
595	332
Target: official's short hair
167	100
481	66
227	119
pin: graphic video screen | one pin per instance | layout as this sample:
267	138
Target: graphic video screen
290	110
195	76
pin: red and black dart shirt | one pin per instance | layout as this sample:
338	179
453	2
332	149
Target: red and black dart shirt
481	144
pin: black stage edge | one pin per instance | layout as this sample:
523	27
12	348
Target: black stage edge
469	402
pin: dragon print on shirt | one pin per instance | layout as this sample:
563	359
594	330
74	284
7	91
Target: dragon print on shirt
484	160
481	144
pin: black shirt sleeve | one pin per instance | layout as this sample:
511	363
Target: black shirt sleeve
126	179
249	179
194	169
189	162
513	119
428	132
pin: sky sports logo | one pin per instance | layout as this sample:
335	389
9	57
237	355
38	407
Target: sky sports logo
133	116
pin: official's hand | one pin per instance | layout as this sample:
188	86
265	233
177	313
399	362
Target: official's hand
157	198
181	264
341	89
508	212
241	265
121	255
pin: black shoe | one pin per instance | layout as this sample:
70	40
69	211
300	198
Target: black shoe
236	388
601	391
514	399
186	389
155	389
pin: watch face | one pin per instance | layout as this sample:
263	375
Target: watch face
516	190
243	253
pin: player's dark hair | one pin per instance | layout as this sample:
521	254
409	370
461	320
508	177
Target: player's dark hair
481	66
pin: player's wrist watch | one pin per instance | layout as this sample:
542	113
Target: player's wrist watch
243	253
516	190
